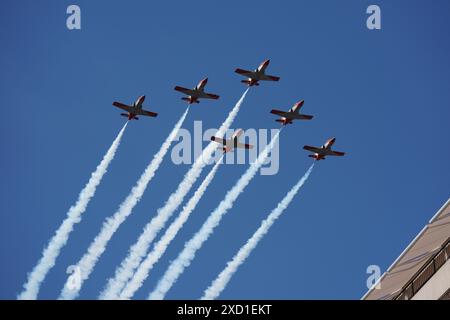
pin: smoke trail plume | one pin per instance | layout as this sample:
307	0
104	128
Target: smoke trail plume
186	256
59	240
219	284
160	247
110	226
139	250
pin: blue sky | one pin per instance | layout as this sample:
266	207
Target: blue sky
384	95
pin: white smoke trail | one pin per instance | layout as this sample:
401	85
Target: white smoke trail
139	250
186	256
110	226
59	240
160	247
219	284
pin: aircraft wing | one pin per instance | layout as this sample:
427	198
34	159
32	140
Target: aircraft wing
205	95
279	112
269	78
301	116
218	140
122	106
187	91
244	72
147	113
336	153
244	145
312	149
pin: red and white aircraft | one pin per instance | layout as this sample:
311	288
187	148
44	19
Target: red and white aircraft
135	109
230	144
197	93
324	151
293	114
254	76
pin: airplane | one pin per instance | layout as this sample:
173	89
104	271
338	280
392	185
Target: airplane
323	151
197	93
135	109
230	144
293	114
253	77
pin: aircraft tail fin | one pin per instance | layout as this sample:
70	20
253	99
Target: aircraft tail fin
250	82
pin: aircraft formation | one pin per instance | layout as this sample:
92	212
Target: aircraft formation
134	269
253	79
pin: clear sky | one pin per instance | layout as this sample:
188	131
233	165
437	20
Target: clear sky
385	95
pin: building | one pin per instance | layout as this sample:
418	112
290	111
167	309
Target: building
422	271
